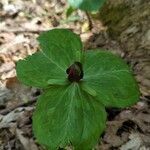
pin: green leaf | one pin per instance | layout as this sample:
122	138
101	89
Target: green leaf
36	70
111	78
69	11
59	50
67	115
87	5
57	82
60	46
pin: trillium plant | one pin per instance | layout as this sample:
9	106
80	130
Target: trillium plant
77	87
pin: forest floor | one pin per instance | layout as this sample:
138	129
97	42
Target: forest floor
20	24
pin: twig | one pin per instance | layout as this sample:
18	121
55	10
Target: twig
89	21
22	31
24	104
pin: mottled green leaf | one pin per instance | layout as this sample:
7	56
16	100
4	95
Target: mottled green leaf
68	115
37	70
111	78
61	46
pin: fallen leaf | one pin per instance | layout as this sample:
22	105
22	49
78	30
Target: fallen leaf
27	143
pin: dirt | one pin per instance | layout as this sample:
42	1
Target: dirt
21	22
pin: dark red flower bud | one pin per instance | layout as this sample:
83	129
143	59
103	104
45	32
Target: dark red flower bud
75	72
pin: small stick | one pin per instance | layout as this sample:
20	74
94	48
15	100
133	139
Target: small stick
89	21
22	31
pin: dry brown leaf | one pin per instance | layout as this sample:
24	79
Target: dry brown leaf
27	143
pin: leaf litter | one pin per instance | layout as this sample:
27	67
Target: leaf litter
21	23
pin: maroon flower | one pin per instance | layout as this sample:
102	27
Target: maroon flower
75	72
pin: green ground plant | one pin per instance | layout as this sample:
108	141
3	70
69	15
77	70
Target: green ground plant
90	7
87	5
77	87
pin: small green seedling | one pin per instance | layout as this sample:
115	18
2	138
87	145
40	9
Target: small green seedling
77	86
87	5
